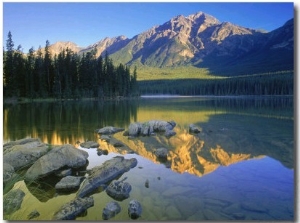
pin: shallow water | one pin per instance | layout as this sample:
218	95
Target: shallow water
240	167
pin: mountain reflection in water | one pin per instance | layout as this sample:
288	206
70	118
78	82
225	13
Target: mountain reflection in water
232	129
244	155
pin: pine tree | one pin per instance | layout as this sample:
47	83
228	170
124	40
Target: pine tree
8	71
30	73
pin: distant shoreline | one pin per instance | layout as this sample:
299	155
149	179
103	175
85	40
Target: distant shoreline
15	100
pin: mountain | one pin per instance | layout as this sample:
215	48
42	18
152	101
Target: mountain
202	41
59	46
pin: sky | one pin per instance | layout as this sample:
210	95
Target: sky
32	23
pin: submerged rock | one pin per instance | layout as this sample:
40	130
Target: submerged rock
119	190
12	201
110	210
193	129
69	183
59	157
72	209
147	183
108	171
89	144
134	209
33	214
148	128
109	130
161	153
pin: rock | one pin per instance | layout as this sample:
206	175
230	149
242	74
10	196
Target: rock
63	173
134	209
8	172
72	209
108	171
65	156
12	201
69	183
30	142
147	183
33	214
110	210
169	134
109	130
134	129
193	129
148	128
119	190
21	156
118	144
89	144
102	152
105	138
161	153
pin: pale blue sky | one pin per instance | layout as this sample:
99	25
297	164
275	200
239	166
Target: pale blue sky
31	24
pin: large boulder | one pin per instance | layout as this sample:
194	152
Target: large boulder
69	183
23	156
148	128
30	142
72	209
12	201
65	156
108	171
119	190
109	130
110	210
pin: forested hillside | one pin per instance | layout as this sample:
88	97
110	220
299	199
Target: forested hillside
64	75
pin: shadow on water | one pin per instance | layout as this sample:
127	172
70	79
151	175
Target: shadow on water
67	122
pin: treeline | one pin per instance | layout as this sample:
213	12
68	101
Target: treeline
272	84
66	75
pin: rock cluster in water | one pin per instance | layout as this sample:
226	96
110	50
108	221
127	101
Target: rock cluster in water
42	161
149	128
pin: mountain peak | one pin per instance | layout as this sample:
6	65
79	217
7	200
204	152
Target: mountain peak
201	17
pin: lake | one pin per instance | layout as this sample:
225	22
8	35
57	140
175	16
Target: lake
239	167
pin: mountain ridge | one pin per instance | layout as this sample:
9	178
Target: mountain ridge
202	41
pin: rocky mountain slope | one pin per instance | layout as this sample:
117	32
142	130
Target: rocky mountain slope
203	41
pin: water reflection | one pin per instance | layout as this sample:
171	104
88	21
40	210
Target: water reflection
60	123
259	130
233	129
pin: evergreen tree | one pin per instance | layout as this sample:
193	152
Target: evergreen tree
8	71
30	73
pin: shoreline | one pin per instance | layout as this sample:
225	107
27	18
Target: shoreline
15	100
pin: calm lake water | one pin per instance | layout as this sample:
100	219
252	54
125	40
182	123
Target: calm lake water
240	167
